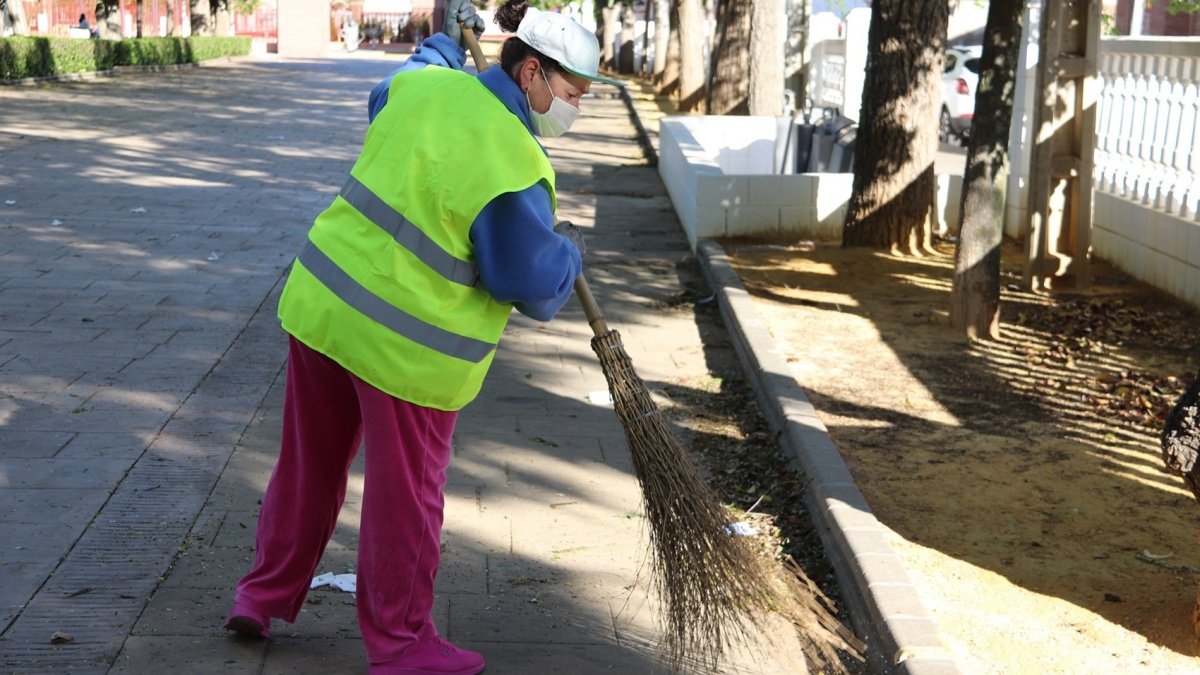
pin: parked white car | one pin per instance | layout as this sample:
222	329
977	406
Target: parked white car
960	80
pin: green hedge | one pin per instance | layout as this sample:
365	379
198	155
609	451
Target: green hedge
22	57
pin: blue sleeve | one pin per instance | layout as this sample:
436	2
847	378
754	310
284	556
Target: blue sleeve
521	259
436	50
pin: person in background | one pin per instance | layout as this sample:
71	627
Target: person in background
394	309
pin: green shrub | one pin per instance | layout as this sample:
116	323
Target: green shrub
205	48
22	57
151	51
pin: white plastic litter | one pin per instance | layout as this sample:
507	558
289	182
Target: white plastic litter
600	398
742	529
56	221
213	256
140	209
342	582
275	138
10	202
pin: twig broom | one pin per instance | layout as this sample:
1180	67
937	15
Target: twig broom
714	586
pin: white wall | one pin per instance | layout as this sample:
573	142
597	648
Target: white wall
718	171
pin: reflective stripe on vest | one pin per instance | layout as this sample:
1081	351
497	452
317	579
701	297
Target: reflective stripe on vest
387	283
354	294
408	235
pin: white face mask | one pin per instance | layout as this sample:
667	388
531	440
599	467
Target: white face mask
555	121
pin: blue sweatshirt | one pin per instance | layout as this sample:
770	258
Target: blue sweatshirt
520	258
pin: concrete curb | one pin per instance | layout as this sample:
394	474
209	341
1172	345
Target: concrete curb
884	607
883	603
643	138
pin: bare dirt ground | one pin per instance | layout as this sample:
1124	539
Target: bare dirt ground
1022	478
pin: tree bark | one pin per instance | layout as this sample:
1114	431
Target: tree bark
766	57
729	88
891	206
662	34
1180	439
139	12
628	29
646	23
691	56
975	304
607	54
222	23
14	17
669	83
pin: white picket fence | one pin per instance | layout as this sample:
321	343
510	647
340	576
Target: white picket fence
1148	123
1146	218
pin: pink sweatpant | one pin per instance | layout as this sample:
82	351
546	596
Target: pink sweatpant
327	412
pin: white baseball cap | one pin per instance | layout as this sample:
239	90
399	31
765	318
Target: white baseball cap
562	38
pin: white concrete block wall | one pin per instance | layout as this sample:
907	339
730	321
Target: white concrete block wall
1155	247
949	202
1193	244
723	190
709	223
718	173
766	190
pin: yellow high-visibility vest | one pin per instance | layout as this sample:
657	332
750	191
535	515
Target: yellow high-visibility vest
386	284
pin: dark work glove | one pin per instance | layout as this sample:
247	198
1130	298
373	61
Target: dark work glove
461	11
568	230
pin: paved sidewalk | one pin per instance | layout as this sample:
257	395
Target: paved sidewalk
140	385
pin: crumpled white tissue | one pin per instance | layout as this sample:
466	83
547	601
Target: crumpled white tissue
741	529
342	582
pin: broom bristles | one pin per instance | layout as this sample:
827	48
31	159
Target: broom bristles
715	587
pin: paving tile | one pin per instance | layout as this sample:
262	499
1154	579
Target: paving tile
515	658
307	656
22	444
113	445
49	506
61	473
230	655
529	617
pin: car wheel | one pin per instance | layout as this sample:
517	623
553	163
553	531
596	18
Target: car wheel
944	130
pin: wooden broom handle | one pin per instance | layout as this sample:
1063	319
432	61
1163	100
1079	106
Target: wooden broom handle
481	62
591	310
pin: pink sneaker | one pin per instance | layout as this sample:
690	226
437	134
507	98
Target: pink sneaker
432	656
248	622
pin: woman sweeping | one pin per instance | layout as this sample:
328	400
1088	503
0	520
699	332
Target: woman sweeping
394	308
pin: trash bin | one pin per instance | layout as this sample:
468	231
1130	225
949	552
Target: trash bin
841	158
832	147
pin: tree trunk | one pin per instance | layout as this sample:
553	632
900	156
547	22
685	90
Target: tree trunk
138	14
607	54
766	57
222	23
662	33
197	20
628	31
975	306
170	17
691	56
729	89
14	17
891	206
669	83
646	23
